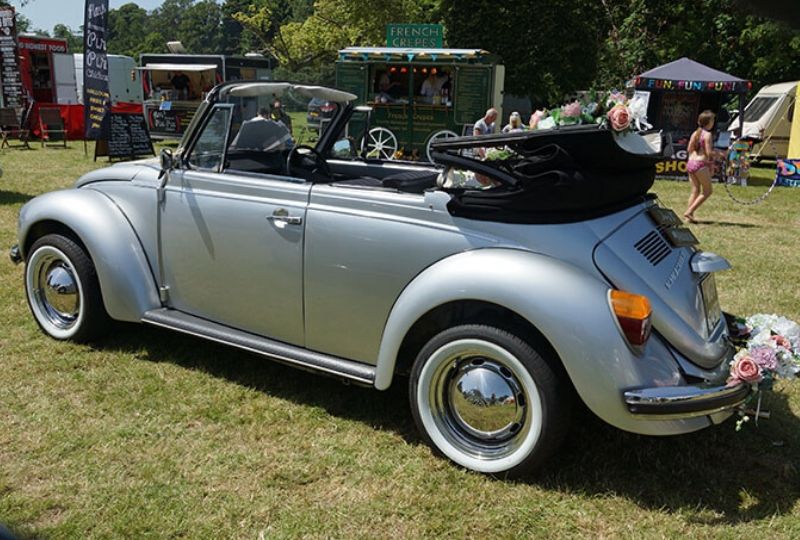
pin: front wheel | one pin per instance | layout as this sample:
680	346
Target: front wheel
63	291
487	400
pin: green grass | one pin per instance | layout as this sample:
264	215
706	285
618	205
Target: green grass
154	434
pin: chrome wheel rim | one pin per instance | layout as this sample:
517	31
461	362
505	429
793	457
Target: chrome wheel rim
54	291
480	405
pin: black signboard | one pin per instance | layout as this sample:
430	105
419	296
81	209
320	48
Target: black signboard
165	121
352	78
129	137
11	82
96	95
472	94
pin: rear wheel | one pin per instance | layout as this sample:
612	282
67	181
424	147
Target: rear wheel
487	400
63	291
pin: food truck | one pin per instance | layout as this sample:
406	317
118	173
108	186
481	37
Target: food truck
420	95
37	71
175	84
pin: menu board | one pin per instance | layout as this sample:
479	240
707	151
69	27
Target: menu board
129	137
352	78
96	95
11	83
165	121
473	88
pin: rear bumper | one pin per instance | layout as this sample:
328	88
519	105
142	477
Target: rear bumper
671	402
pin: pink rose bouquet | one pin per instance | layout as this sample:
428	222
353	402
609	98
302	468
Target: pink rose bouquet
744	369
619	117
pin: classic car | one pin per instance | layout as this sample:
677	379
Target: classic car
505	289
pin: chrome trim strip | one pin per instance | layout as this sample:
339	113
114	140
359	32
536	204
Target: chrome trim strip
281	352
670	402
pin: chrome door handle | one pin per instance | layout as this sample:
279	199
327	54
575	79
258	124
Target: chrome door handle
281	215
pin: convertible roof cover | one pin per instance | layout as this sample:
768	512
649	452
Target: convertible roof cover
556	175
255	89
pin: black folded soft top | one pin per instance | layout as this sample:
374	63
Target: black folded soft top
559	175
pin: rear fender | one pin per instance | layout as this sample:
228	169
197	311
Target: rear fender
127	284
567	305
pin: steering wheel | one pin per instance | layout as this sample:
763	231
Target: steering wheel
320	165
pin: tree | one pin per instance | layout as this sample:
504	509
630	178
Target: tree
312	42
552	53
74	39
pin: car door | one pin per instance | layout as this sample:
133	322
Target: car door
232	243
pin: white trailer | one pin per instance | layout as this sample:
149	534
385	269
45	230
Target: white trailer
768	120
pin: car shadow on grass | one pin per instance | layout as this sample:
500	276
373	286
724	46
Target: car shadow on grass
13	197
717	475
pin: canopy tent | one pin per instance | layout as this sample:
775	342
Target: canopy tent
688	76
678	92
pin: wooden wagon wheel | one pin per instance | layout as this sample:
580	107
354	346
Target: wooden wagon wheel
438	136
381	143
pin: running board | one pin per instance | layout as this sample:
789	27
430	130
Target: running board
282	352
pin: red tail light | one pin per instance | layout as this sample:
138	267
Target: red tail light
326	108
633	312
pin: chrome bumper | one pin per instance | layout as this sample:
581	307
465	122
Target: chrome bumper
15	255
670	402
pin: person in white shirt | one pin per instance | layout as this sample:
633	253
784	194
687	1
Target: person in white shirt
431	86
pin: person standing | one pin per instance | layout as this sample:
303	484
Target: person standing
700	164
279	115
485	126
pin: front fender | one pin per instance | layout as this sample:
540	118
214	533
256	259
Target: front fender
127	284
566	304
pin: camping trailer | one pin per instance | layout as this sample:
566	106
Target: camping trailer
768	120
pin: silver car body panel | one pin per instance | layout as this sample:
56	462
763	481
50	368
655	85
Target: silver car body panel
209	221
122	267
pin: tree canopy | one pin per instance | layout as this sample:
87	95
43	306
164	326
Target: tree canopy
550	47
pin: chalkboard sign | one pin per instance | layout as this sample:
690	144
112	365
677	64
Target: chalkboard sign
472	94
129	138
165	121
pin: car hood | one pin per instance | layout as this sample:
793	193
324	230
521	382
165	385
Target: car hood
121	172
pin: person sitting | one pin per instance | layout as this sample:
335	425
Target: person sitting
263	133
514	123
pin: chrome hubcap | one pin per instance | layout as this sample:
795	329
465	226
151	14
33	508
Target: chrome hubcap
486	400
478	403
55	290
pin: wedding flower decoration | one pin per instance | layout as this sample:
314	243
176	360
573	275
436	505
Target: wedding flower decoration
769	349
612	109
619	117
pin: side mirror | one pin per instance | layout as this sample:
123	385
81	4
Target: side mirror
344	148
167	164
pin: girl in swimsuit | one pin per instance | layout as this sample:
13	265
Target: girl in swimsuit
699	164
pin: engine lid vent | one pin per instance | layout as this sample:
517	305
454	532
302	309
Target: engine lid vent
653	247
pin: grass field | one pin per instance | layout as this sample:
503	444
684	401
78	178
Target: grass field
154	434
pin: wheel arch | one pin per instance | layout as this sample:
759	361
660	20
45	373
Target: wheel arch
468	311
101	229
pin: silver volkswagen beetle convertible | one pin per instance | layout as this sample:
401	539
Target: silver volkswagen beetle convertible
505	289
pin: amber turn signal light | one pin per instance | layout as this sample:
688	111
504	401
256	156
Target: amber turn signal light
633	313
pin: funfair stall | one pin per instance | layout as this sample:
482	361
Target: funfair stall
678	92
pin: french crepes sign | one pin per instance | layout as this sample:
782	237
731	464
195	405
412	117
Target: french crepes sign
96	95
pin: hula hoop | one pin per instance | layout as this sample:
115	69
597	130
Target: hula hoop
737	177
